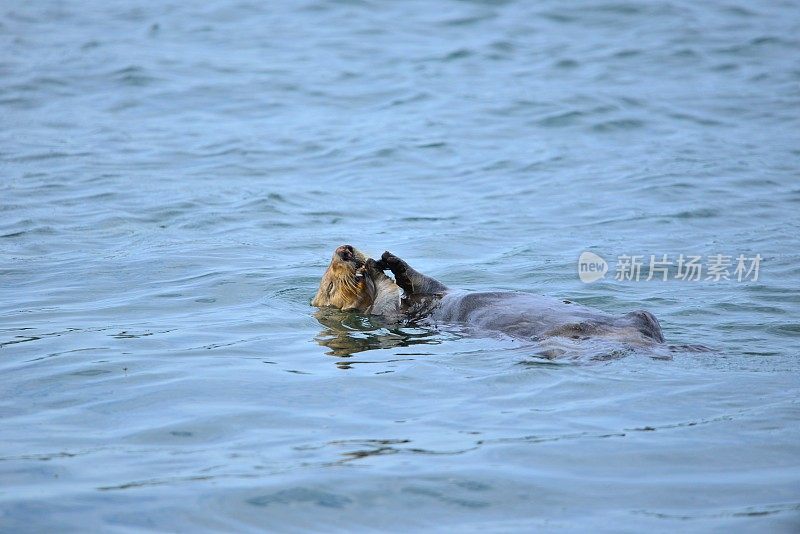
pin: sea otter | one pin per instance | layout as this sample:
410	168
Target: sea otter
354	281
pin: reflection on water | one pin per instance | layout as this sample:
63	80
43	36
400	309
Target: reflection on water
347	333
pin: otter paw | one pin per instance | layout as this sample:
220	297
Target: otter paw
375	266
393	262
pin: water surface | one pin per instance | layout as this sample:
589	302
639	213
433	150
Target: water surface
174	178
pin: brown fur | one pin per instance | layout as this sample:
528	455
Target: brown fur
355	284
345	285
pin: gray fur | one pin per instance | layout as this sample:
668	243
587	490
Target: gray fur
520	315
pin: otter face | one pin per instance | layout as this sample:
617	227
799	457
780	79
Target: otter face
345	284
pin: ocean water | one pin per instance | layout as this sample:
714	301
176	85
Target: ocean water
175	176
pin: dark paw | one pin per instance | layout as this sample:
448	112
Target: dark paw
392	262
375	266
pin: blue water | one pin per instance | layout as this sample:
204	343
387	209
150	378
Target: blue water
175	176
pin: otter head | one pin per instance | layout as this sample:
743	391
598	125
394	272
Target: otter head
346	284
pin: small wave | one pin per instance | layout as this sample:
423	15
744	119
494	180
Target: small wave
698	213
134	76
618	124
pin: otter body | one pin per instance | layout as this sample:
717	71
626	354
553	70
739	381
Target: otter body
527	316
360	283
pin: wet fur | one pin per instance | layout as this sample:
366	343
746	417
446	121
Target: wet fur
357	285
